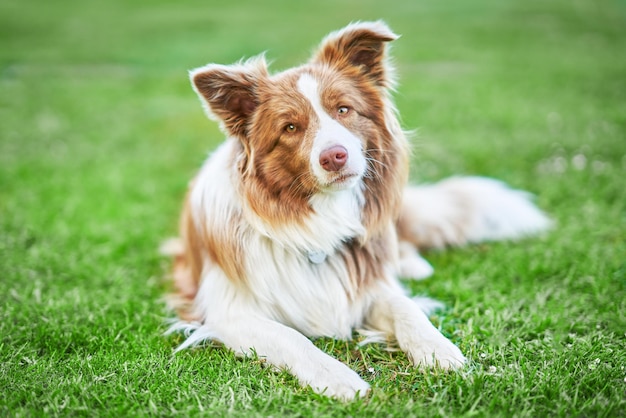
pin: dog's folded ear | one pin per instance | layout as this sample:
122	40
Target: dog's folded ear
360	45
229	91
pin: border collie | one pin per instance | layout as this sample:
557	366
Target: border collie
300	224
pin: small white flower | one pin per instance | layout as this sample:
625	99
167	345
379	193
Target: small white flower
594	364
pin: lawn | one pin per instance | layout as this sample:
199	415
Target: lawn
100	133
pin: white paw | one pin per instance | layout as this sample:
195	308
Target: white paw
411	265
341	383
437	351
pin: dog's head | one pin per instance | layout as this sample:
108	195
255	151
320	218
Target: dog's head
325	126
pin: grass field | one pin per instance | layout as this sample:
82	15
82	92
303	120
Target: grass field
100	132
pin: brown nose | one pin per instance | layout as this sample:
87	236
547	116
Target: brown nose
334	158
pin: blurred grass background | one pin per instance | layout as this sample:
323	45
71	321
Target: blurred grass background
100	133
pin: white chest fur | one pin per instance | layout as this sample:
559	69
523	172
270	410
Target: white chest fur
294	273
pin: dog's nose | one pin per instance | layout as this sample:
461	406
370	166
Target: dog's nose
334	158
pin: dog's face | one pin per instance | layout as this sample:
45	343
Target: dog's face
306	129
309	131
317	128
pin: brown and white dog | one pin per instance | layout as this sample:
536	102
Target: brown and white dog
301	222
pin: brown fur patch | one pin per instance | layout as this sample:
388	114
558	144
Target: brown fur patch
230	92
277	182
359	55
366	261
361	48
204	242
274	171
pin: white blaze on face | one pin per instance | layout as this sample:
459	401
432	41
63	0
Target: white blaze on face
330	134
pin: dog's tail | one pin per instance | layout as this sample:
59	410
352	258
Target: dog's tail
462	210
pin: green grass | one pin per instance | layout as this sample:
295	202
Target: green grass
100	132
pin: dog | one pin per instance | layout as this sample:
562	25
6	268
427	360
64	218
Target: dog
300	224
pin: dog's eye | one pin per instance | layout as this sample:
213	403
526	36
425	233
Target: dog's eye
290	128
343	110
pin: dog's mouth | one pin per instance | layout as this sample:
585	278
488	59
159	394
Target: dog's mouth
342	180
344	177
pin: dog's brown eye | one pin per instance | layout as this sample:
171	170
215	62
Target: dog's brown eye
290	128
343	110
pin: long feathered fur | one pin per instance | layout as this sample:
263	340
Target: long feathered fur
301	222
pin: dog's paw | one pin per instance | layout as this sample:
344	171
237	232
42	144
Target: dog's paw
437	352
340	383
411	265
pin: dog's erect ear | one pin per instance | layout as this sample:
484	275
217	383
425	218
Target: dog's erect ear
229	92
362	45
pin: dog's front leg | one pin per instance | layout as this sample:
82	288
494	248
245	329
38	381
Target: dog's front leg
394	313
286	348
